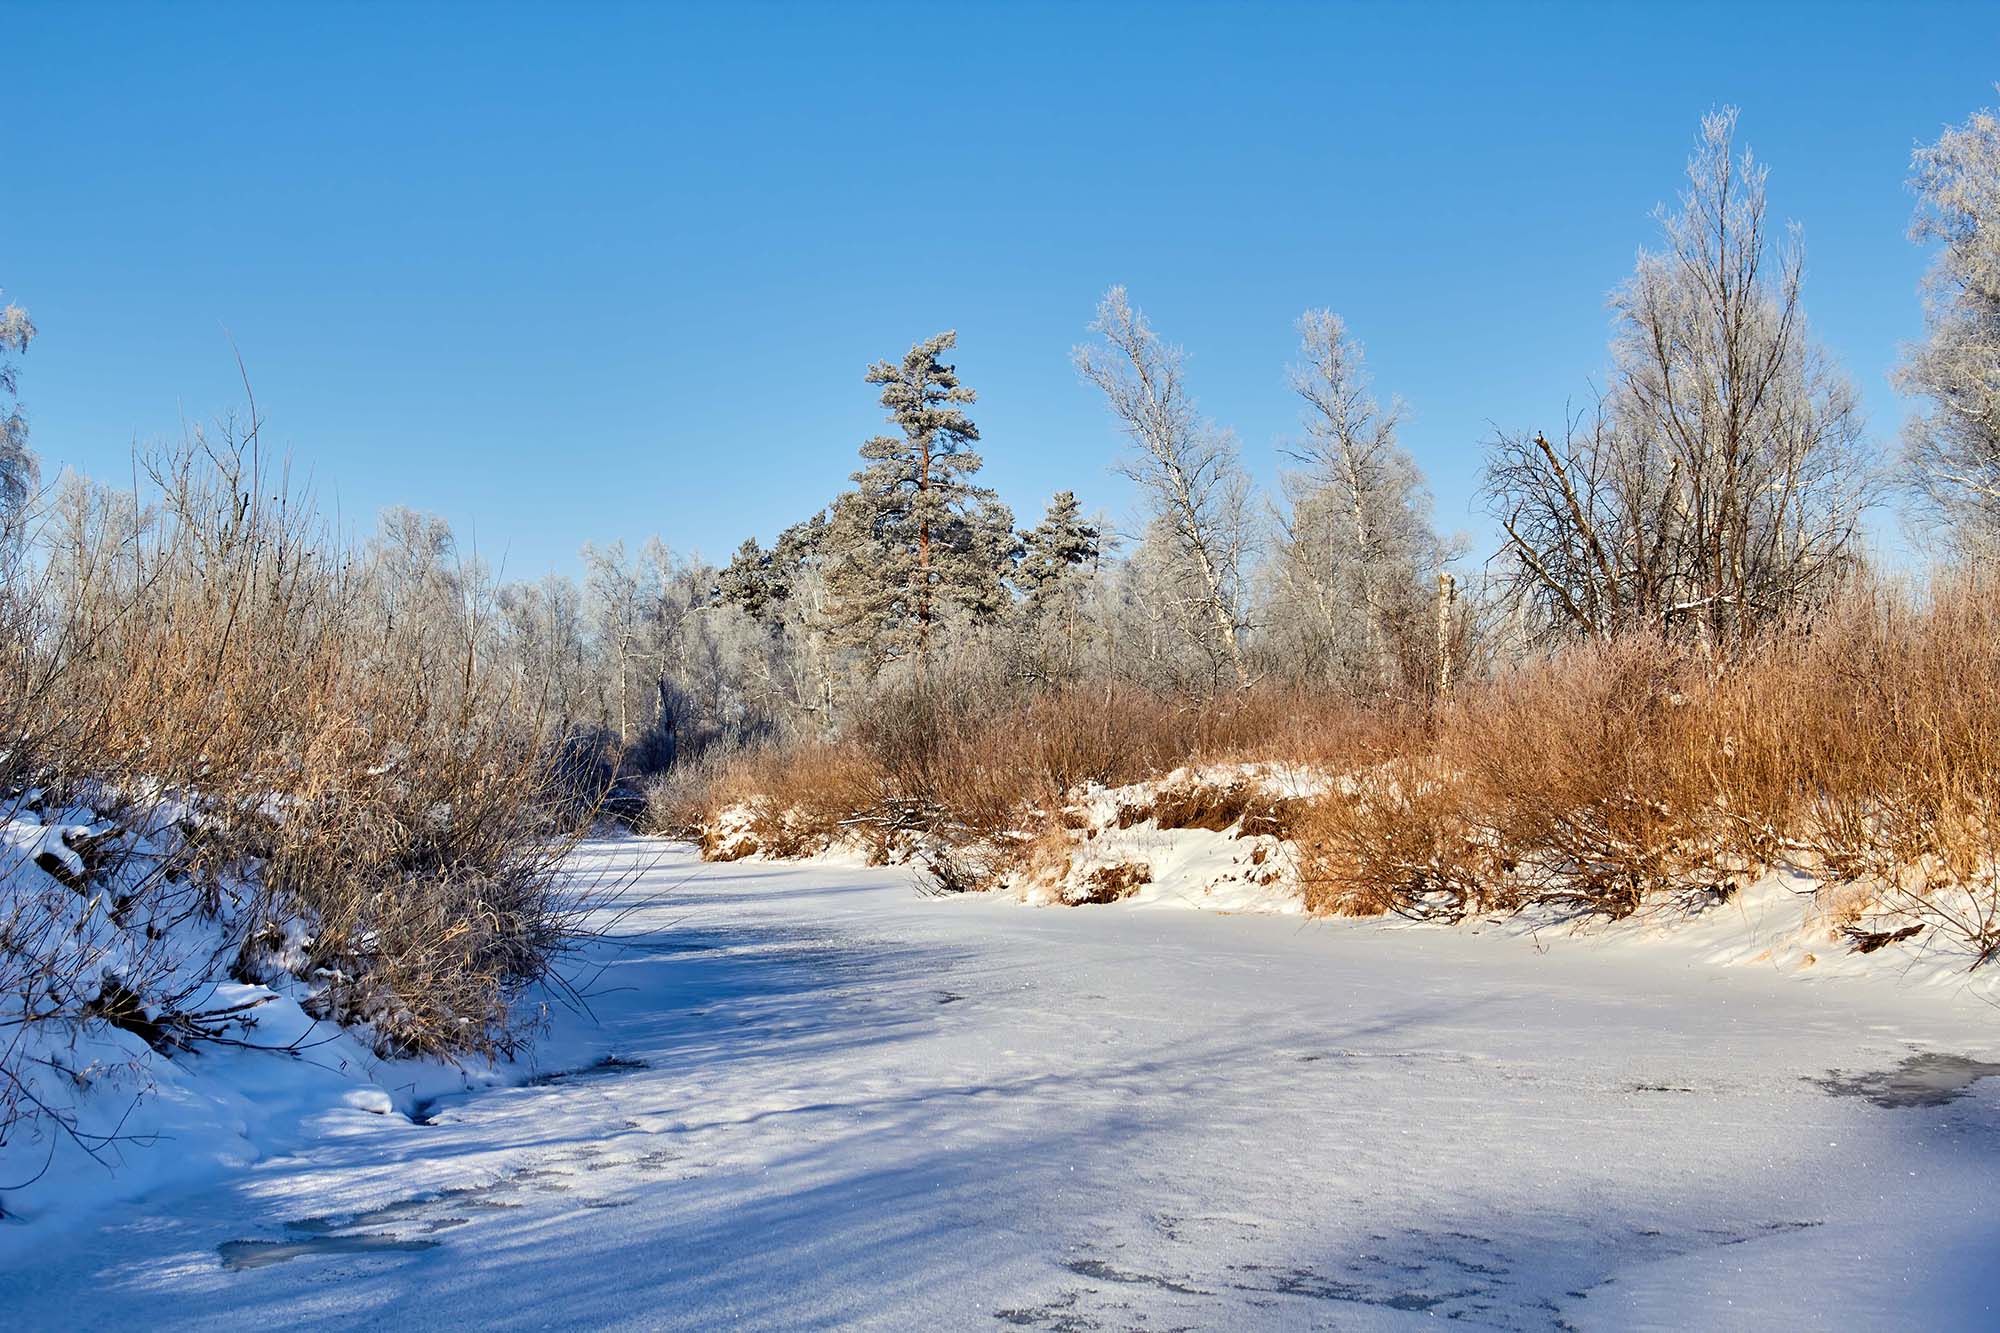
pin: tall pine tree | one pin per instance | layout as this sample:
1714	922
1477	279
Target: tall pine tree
1059	557
916	538
1057	554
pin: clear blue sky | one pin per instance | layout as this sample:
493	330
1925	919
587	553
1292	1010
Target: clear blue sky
582	272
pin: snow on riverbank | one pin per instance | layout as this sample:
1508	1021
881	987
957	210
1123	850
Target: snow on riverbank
1201	838
833	1102
1211	839
808	1096
142	1048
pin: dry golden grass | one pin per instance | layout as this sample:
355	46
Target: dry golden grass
336	723
1896	727
931	761
1396	837
791	801
1862	746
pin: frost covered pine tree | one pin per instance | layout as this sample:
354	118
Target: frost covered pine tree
993	552
1058	553
1952	454
1059	557
751	580
915	539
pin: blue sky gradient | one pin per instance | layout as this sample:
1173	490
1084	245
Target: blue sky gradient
590	272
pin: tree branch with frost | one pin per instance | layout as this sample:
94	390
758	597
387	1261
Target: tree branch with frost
1188	469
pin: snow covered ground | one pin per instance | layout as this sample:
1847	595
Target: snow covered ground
810	1097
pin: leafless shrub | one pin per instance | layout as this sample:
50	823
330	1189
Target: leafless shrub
1195	803
1588	770
784	800
1398	837
246	701
1899	697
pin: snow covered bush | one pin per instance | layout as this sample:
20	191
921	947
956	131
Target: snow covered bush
103	925
966	758
1853	750
240	753
779	802
1850	747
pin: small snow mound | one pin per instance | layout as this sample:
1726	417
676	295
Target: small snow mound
158	1021
1209	838
732	834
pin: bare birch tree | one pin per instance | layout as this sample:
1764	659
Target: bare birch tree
1588	527
1188	469
1952	454
1357	555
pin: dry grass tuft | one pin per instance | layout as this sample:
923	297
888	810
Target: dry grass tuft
1200	803
1112	883
1399	837
791	802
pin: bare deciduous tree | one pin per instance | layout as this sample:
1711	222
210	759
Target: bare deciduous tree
1358	553
1720	485
17	465
1585	524
1189	471
1952	455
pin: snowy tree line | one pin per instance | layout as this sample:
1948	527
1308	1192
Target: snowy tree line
1712	488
